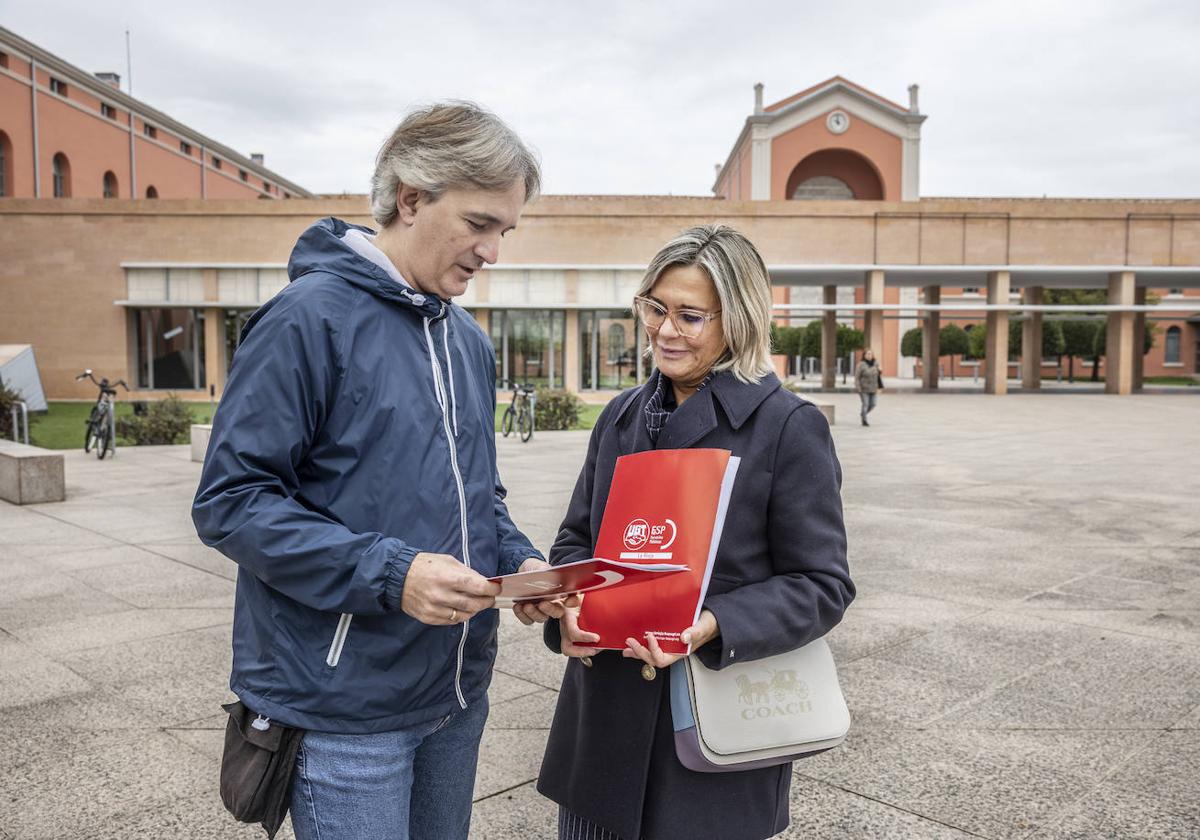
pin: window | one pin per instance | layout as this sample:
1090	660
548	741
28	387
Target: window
216	162
151	192
170	348
609	358
267	186
150	131
108	111
110	185
244	175
1171	346
1175	292
529	345
287	195
61	168
58	86
5	164
970	290
4	60
185	147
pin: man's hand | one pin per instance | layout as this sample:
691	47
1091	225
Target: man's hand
440	590
573	640
700	633
529	612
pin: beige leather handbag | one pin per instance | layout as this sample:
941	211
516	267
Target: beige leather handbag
759	713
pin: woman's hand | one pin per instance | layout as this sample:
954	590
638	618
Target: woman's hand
700	633
574	641
529	612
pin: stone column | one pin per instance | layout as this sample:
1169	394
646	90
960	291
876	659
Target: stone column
215	362
931	340
873	318
1139	338
214	350
995	379
1119	349
1031	340
571	352
829	327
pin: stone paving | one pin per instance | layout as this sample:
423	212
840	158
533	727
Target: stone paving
1023	659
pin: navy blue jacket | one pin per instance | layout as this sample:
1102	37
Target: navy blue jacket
780	580
356	430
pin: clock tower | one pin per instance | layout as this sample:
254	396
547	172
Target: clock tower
833	141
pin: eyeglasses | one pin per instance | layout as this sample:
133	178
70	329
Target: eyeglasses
689	323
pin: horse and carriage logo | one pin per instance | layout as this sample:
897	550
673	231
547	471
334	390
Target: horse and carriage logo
781	693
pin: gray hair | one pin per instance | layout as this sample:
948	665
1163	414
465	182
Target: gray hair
450	144
740	276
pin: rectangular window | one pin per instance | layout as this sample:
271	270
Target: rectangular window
216	162
609	352
169	348
245	176
58	86
529	345
108	111
185	147
267	186
4	60
150	131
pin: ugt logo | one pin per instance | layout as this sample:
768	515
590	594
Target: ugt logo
636	534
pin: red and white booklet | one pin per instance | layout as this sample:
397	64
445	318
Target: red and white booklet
580	576
664	506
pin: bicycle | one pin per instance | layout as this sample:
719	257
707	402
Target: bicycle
100	423
520	412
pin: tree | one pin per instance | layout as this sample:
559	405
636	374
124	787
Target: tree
810	340
977	340
786	342
952	341
912	343
1052	338
1079	339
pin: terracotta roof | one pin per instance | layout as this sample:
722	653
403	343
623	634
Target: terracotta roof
783	103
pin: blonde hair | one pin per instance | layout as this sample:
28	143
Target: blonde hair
450	144
739	274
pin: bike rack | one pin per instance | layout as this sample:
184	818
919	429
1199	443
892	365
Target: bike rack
20	404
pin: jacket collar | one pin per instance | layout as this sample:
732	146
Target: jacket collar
698	416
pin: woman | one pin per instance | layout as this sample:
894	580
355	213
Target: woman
780	578
868	380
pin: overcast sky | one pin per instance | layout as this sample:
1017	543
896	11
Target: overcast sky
1097	98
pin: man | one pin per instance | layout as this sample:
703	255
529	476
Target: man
352	476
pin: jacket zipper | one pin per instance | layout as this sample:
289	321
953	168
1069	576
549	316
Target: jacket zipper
462	500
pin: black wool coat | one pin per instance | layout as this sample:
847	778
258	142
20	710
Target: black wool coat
780	580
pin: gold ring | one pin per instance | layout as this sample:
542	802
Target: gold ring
453	615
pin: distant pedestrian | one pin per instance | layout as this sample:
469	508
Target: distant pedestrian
868	381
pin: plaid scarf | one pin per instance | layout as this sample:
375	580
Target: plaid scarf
662	403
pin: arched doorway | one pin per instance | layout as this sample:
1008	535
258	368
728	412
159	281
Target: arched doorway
61	168
6	162
110	185
835	174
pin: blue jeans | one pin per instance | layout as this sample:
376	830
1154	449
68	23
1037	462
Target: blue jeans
416	782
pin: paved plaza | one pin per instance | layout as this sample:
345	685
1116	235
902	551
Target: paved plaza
1022	661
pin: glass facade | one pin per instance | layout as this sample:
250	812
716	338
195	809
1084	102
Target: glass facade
610	350
529	345
169	348
235	320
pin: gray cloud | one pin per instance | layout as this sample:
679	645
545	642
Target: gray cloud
1023	98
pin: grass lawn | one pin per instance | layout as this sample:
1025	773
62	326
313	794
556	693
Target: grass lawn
587	414
62	426
1172	380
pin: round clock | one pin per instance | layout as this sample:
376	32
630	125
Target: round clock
837	122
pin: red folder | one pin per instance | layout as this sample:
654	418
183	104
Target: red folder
580	576
664	506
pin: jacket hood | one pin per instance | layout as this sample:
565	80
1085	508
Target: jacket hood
322	248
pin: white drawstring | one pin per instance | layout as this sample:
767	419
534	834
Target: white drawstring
437	391
450	373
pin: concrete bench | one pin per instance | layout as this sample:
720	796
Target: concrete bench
200	435
30	474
